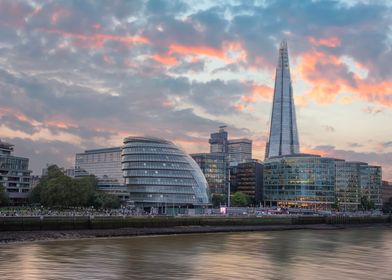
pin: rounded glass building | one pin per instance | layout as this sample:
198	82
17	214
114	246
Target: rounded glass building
162	178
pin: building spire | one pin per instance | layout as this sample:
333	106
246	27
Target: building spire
283	137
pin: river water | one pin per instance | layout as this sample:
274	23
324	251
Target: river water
300	254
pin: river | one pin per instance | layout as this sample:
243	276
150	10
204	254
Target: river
298	254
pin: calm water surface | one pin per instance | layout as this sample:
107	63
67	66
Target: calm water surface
335	254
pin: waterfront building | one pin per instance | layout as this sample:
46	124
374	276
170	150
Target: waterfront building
161	176
249	180
302	180
214	168
15	175
371	182
283	136
386	191
239	150
105	164
348	185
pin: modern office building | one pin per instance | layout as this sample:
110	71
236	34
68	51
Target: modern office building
306	181
214	168
239	150
311	181
15	175
160	175
283	136
371	183
105	164
218	141
249	180
347	185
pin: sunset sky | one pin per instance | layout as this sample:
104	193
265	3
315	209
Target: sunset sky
78	75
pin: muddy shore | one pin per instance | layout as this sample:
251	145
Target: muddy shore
29	236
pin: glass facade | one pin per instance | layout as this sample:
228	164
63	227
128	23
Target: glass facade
249	180
371	182
347	186
299	181
240	150
214	168
14	174
105	164
160	175
283	137
311	181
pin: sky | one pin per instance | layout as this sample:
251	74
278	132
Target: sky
77	75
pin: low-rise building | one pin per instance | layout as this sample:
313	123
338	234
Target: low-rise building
15	175
302	180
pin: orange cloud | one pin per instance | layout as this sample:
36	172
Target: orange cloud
331	42
165	59
196	50
97	41
329	82
313	151
239	107
258	92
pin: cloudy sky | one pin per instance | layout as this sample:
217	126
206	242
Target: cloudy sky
77	75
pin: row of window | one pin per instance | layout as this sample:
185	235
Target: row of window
169	158
157	173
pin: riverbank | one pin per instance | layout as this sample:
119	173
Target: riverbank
48	235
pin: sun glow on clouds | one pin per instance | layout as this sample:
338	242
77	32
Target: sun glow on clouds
328	76
97	41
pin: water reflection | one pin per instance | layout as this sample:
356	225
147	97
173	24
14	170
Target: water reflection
341	254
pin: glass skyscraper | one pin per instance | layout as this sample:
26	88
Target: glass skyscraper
283	136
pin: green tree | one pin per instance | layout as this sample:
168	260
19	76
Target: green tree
58	190
366	203
336	205
105	200
240	199
4	199
217	200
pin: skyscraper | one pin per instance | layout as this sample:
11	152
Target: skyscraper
283	137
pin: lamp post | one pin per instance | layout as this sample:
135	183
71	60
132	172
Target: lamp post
228	190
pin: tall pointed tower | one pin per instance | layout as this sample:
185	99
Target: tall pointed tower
283	137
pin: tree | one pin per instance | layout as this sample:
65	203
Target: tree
366	203
336	205
240	199
105	200
58	190
217	200
4	199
